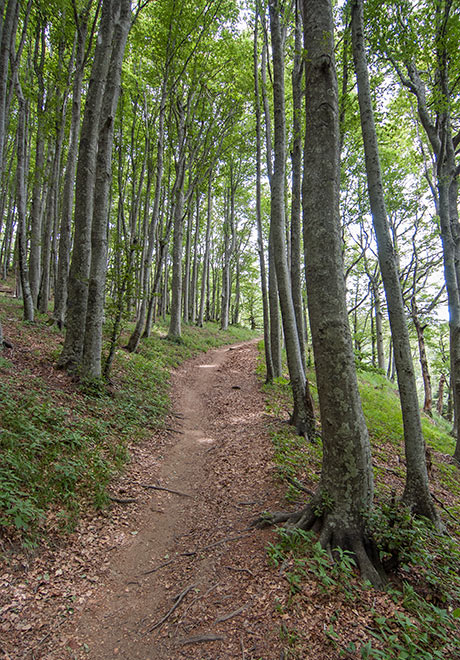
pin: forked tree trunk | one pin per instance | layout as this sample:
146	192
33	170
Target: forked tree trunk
416	493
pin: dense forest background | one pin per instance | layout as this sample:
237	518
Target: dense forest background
286	166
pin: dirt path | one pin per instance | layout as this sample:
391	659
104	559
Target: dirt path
193	551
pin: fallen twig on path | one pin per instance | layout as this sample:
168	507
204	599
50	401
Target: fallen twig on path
178	600
226	617
122	500
211	637
240	570
168	490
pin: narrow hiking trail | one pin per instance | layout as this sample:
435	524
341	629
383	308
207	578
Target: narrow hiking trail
187	579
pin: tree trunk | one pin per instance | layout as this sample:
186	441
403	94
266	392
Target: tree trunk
303	416
296	159
420	330
60	294
79	274
207	249
275	339
346	487
92	349
21	206
175	331
260	237
440	398
416	493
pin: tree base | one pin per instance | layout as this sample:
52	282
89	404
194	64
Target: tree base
333	533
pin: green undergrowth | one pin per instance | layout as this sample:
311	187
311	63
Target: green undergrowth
417	617
60	447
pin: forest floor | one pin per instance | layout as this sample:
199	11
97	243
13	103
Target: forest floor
173	570
105	592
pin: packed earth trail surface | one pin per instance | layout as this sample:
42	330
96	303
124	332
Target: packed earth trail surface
178	573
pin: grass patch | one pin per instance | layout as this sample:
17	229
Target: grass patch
418	616
62	444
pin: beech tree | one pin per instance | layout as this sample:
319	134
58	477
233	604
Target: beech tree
345	492
416	493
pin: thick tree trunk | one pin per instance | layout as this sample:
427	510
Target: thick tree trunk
416	493
346	479
72	351
91	366
60	294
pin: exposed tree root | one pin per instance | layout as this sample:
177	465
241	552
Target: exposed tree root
333	533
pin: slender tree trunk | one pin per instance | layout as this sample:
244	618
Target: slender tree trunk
193	288
302	417
21	206
260	237
175	331
440	397
207	249
416	493
275	339
420	330
296	159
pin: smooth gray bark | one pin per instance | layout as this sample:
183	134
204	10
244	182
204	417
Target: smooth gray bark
346	476
91	365
84	195
260	237
175	330
302	417
21	206
60	293
416	493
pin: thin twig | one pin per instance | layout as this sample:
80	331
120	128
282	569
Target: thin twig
230	615
166	563
211	637
213	545
168	490
243	654
240	570
178	600
192	553
443	507
122	500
